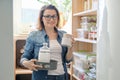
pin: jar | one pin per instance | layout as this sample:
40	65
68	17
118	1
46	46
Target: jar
67	40
44	54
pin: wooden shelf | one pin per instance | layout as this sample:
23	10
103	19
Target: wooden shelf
85	40
86	13
78	11
23	71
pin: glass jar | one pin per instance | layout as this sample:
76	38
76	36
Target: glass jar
44	54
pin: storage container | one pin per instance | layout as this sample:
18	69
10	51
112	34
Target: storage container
80	73
81	61
81	33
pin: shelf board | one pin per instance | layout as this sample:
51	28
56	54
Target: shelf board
23	71
86	13
85	40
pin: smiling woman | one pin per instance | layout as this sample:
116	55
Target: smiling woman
49	33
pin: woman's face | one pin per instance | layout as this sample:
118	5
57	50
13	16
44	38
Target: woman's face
50	18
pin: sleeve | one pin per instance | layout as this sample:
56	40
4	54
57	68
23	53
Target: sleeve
67	61
28	49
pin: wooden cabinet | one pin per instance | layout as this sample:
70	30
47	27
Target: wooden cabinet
21	73
84	19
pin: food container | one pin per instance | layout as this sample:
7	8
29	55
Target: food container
78	72
47	66
88	19
81	33
66	40
81	61
85	26
92	36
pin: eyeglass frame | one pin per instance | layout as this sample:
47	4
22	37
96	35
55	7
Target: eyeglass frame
49	17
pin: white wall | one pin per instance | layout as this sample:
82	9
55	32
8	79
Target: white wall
6	40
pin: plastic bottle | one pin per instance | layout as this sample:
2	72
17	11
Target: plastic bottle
44	54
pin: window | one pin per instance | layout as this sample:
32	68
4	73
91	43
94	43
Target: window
28	11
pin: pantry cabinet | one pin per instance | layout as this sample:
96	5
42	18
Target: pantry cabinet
84	29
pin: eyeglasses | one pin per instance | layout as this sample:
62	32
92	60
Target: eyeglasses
49	17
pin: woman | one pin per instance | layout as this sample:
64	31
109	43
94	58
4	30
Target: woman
48	32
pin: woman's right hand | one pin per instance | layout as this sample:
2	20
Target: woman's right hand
30	64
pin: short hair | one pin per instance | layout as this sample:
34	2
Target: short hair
40	24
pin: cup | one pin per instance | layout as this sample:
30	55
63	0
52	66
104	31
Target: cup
67	40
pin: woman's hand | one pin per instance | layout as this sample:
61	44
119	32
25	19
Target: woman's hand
30	64
70	50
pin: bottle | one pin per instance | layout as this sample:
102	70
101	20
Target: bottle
44	54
